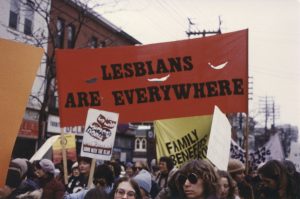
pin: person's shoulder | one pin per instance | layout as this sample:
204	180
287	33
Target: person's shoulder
212	197
172	172
78	195
56	184
244	184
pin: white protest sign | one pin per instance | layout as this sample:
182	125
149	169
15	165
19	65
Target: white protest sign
275	148
99	134
218	148
295	155
40	154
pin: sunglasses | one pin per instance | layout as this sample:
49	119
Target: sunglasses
136	168
192	177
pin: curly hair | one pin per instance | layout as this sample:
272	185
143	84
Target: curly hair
104	171
206	172
168	161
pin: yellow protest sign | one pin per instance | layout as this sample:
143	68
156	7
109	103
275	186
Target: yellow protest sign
182	139
69	142
70	146
18	67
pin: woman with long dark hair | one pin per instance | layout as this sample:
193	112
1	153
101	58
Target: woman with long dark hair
277	183
227	186
198	179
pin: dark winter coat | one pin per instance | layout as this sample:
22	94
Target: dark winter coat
53	189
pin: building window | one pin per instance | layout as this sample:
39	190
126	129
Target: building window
144	144
71	36
59	40
141	144
137	144
94	42
14	14
29	11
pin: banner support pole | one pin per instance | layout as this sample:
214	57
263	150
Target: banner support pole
64	155
246	144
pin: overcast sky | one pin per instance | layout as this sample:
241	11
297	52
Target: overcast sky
274	38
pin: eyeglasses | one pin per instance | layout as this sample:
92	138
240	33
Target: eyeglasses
192	177
122	192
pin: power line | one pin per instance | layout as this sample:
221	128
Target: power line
173	12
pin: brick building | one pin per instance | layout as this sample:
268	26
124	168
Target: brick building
69	24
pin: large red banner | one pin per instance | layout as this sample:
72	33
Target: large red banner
156	81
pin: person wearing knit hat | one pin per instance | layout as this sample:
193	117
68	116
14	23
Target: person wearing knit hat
16	172
75	165
236	170
75	169
47	166
129	169
52	188
235	166
143	179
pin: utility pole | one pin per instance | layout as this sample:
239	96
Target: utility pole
266	112
250	88
269	110
276	113
204	32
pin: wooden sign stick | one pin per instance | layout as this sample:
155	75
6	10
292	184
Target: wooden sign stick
91	176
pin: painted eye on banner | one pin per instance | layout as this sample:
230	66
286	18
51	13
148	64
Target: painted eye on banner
159	79
218	67
92	80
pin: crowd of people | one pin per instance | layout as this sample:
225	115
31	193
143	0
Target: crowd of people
196	179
